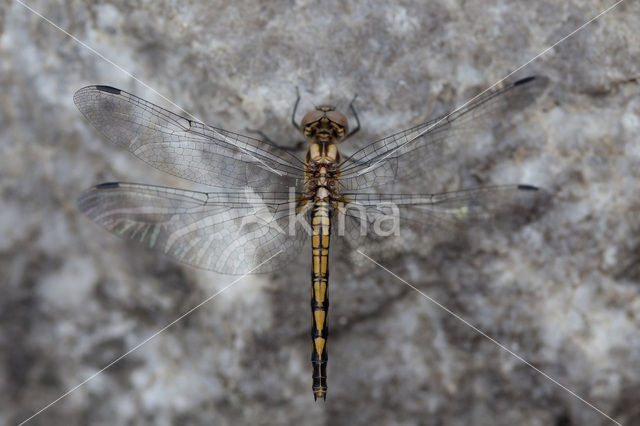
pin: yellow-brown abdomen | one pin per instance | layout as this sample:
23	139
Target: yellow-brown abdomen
321	224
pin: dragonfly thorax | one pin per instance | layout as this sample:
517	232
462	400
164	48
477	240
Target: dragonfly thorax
322	183
324	128
321	152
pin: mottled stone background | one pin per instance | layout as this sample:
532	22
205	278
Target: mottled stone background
562	292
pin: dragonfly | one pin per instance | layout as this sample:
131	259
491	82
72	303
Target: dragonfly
272	205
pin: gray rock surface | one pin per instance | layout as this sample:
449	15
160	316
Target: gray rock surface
562	291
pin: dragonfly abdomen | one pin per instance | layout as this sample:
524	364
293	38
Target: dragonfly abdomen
321	224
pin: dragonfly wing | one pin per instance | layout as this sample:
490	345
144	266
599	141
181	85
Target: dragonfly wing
230	233
446	213
417	152
184	147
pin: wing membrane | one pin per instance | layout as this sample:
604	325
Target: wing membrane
416	152
445	213
225	232
184	147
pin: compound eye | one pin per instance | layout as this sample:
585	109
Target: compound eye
338	118
311	117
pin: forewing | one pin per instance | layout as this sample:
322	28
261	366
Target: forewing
416	153
183	147
230	233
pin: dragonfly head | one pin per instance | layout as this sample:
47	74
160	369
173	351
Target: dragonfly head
325	123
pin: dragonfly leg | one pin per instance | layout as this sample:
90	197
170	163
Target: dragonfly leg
355	115
299	146
295	108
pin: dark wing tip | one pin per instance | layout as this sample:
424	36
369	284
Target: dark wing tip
107	185
524	81
108	89
528	188
79	98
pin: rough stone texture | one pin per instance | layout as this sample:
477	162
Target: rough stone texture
561	292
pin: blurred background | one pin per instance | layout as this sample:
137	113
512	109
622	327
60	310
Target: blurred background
561	291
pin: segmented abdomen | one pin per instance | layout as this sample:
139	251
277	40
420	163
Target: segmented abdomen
321	224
